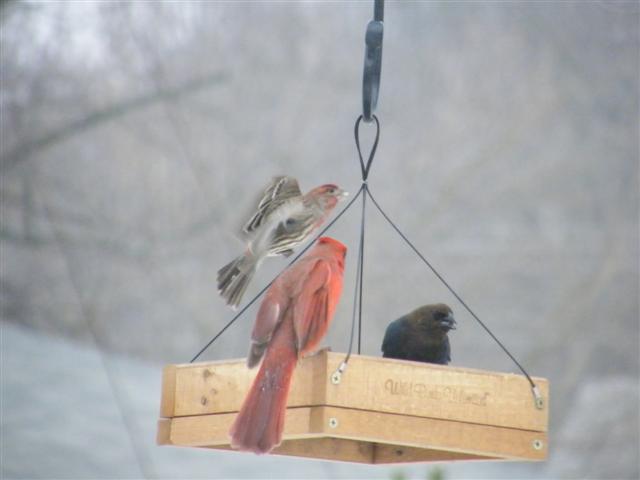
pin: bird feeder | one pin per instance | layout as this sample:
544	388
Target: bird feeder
380	411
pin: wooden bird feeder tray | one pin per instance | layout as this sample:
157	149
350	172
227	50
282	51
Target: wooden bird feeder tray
380	411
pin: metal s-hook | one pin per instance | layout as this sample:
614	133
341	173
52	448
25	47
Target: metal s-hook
372	62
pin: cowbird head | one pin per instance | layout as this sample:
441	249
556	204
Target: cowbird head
437	317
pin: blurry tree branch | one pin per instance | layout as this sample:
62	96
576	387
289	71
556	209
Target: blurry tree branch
93	119
113	246
108	241
87	230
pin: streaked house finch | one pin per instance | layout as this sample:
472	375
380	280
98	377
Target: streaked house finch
285	218
292	320
421	335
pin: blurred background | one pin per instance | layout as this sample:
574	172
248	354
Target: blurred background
135	136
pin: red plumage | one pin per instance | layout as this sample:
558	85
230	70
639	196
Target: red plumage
292	320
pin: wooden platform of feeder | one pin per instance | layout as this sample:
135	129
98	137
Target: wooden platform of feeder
381	411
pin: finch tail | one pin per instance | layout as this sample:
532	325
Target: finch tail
259	424
234	278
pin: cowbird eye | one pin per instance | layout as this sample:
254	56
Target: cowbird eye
289	222
439	315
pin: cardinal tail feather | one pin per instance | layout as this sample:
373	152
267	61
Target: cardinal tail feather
259	424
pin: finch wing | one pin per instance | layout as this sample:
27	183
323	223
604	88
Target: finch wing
280	190
291	231
311	307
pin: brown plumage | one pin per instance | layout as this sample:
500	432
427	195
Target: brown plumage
284	219
421	335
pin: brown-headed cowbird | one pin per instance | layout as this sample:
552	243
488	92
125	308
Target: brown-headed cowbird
421	336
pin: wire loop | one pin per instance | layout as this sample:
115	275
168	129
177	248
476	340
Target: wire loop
363	167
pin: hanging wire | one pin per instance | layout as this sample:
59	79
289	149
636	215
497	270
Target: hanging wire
252	301
336	377
357	296
361	265
371	84
370	89
534	388
354	312
357	293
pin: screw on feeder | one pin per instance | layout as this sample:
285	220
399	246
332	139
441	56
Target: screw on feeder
372	62
337	375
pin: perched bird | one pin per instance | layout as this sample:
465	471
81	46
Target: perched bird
292	320
421	335
284	219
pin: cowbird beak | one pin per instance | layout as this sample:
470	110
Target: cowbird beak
448	322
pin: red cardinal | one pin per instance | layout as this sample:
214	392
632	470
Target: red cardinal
293	318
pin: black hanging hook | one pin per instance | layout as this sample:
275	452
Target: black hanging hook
372	62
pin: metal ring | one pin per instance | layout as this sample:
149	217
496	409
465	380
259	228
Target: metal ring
365	167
